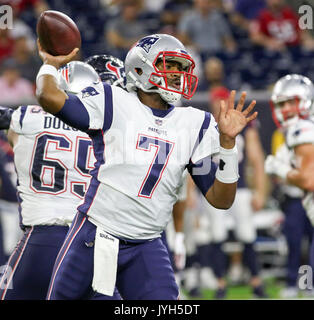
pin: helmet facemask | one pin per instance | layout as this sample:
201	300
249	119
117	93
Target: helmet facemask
174	84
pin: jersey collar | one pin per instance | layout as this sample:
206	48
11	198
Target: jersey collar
161	113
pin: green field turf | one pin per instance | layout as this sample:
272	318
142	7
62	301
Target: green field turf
243	292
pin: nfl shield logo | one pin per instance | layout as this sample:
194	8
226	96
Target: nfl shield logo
158	122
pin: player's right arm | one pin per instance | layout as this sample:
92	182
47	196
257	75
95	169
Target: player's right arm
300	139
49	95
302	176
70	108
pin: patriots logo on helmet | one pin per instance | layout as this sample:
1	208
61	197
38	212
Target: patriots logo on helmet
147	42
89	91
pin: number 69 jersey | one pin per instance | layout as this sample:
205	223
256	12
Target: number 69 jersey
52	161
141	155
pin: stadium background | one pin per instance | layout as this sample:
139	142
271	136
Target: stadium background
249	67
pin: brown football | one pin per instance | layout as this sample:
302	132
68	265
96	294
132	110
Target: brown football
57	33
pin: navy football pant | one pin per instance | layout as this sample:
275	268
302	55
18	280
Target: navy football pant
296	227
31	264
144	269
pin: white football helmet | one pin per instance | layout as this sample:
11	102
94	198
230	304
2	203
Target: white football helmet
142	72
77	75
292	87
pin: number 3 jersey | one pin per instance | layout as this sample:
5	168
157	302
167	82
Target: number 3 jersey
141	155
52	161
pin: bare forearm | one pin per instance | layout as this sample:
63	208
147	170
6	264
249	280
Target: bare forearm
49	96
221	195
259	179
301	179
178	215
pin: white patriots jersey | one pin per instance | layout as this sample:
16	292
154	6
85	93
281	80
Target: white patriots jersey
52	161
301	133
286	156
141	156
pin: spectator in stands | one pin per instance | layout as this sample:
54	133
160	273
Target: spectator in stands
245	11
171	14
22	29
14	89
27	62
214	74
206	29
125	30
6	44
277	28
20	5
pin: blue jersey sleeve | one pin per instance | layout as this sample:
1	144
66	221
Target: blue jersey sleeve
203	173
74	113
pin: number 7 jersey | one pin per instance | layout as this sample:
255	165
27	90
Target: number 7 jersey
141	155
52	161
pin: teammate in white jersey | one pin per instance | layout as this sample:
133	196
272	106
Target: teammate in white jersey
292	101
52	161
142	145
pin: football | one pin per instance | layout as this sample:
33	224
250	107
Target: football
57	33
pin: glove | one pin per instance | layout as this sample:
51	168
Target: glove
179	251
275	166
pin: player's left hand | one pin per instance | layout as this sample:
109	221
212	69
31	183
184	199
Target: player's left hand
179	251
231	121
56	61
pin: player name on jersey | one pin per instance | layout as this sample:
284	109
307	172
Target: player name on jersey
55	123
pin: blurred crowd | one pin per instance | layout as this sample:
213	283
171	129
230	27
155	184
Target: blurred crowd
256	41
237	44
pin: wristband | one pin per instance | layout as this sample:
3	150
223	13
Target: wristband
49	70
228	168
179	236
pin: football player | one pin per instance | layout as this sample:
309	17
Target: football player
142	145
111	70
292	107
296	226
52	162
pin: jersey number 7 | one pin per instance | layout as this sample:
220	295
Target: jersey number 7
163	149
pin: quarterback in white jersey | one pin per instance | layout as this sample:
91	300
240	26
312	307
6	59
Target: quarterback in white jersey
292	102
142	145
